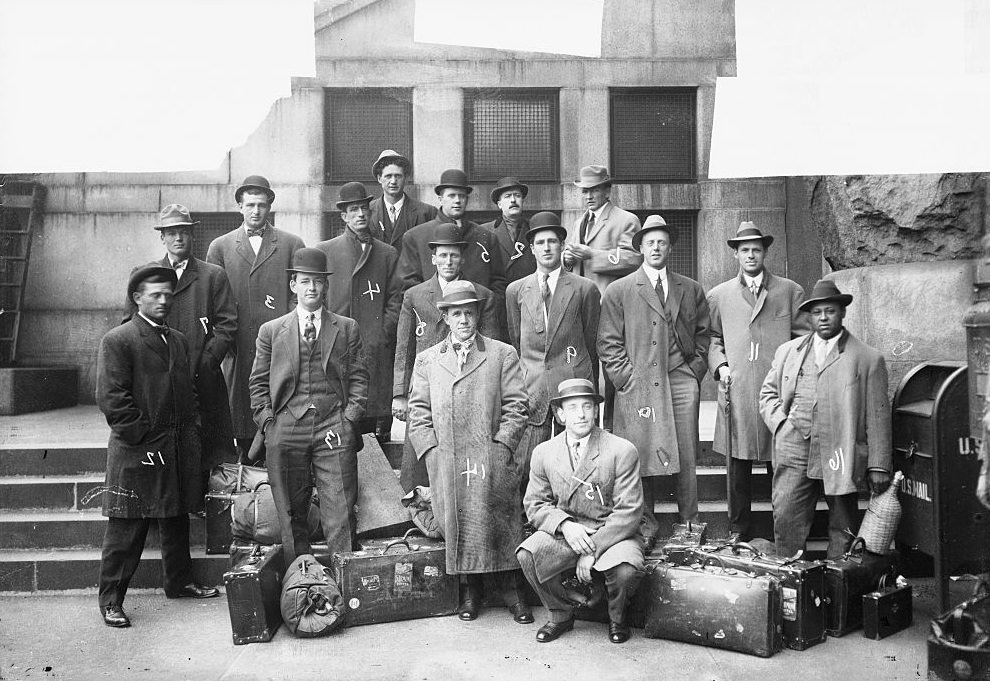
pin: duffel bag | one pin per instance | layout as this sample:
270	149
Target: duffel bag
311	602
235	477
253	517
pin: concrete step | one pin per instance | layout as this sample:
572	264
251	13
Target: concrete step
63	460
48	529
56	492
61	569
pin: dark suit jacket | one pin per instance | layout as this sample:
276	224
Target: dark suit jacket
414	212
516	253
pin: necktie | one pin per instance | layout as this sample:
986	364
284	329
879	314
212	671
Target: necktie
754	288
309	332
462	350
363	235
575	454
392	212
545	292
587	226
660	292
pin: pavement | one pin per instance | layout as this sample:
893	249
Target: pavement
61	636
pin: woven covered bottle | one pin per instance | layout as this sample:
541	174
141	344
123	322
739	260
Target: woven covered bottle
882	516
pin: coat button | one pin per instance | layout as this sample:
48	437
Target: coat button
654	342
654	323
657	384
654	364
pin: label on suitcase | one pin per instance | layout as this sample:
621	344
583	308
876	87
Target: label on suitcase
802	585
254	586
715	607
218	533
396	579
846	581
887	610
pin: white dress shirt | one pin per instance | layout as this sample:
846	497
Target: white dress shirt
752	282
654	274
393	209
823	348
317	320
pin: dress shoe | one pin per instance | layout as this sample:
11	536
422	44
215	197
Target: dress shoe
114	616
194	590
468	610
551	631
521	613
618	633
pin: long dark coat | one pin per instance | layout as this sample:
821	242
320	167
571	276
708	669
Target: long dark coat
632	345
203	310
261	292
466	424
414	212
145	389
746	332
516	254
365	286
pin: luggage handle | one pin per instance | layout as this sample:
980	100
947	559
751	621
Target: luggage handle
852	553
746	546
412	531
398	542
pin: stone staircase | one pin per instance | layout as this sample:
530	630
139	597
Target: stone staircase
51	528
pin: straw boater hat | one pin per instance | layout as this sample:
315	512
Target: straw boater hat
390	156
543	221
174	215
654	222
352	192
309	261
593	176
453	178
152	269
255	182
576	387
825	290
748	232
446	234
459	292
507	183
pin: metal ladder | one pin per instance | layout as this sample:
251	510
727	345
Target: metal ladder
21	209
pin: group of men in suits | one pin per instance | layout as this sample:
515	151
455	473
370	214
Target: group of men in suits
475	335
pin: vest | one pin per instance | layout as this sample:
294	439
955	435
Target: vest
805	402
313	387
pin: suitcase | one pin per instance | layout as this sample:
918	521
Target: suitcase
380	512
846	580
678	547
802	585
254	587
715	607
887	610
959	642
396	579
218	533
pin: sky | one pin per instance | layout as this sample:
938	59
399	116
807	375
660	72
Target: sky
822	87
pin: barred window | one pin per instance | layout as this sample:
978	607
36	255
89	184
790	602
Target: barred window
359	123
653	133
212	225
512	132
684	257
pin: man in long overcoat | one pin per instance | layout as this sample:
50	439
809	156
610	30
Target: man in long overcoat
144	387
421	326
395	212
510	228
752	315
467	412
553	325
365	286
203	310
585	500
255	257
481	261
825	401
653	343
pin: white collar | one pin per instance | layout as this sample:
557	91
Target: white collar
654	274
598	213
397	206
758	279
302	313
551	278
155	325
830	343
583	442
444	283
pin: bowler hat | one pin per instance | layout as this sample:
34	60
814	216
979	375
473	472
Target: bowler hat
254	182
352	192
390	156
593	176
507	183
309	261
825	290
654	222
174	215
748	232
455	178
459	292
152	269
447	234
542	221
576	387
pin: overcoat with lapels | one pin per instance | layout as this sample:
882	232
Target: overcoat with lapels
466	423
604	494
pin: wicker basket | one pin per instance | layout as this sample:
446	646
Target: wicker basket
882	516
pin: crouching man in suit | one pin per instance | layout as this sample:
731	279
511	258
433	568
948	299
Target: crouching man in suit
585	501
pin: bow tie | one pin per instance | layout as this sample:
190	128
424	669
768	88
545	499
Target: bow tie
181	265
260	231
462	346
162	329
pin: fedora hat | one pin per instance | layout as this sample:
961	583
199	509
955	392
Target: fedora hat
390	156
825	290
143	272
309	261
447	234
507	183
459	292
654	222
593	176
576	387
545	220
174	215
255	182
352	192
748	232
452	177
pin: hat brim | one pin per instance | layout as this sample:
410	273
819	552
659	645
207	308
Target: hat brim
376	169
561	232
438	190
498	191
343	204
467	301
244	187
766	239
305	271
434	244
637	238
177	224
591	185
148	271
843	299
555	401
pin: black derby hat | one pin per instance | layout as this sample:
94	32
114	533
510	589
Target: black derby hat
507	183
309	261
255	182
352	192
447	234
545	220
455	178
